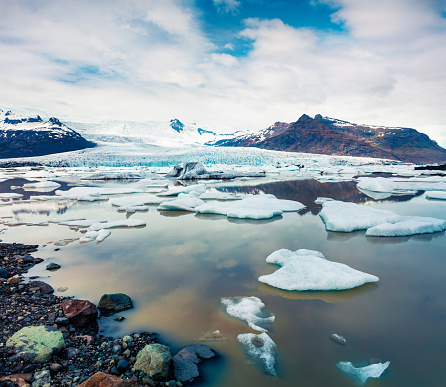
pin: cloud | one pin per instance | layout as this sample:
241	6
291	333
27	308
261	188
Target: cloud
228	6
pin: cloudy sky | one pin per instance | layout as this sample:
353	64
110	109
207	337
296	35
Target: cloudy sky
242	64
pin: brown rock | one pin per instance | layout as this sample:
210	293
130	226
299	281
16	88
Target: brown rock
100	379
14	280
81	313
19	379
43	286
89	339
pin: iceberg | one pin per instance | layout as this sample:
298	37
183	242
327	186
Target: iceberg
253	207
409	226
42	186
185	202
363	373
262	348
118	223
346	217
309	270
247	309
376	184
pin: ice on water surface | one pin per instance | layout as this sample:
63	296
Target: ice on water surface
309	270
184	202
118	223
436	195
363	373
248	309
347	217
262	348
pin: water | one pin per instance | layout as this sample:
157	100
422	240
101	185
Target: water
178	267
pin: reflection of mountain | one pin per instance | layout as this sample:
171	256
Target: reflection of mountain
307	191
5	187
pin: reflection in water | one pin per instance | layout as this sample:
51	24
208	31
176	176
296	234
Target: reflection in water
404	239
329	297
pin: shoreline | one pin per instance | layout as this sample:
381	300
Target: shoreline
85	352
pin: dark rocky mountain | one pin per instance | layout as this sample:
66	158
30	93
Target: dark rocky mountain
330	136
31	136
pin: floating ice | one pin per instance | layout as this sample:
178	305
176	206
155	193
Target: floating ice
113	176
118	223
80	223
409	226
436	195
347	217
262	348
42	186
338	338
76	192
128	202
201	188
310	270
247	309
88	198
363	373
376	184
222	196
157	184
131	209
98	236
185	202
322	200
252	207
9	195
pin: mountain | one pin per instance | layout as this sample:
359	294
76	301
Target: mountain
31	136
330	136
173	133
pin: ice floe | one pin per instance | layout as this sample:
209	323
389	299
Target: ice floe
118	223
184	202
247	309
262	348
310	270
222	196
113	176
436	195
252	207
41	186
132	209
129	202
98	236
76	192
10	195
201	188
363	373
347	217
80	223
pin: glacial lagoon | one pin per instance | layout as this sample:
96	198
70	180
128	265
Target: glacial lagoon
180	265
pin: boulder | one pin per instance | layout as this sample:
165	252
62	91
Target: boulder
43	287
154	360
42	379
4	273
100	379
52	266
186	360
80	313
19	379
110	304
41	342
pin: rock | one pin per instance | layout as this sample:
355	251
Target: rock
72	353
100	379
154	360
120	318
89	339
41	342
81	313
4	273
55	367
117	349
122	366
110	304
338	338
19	379
186	360
64	332
42	379
52	266
43	287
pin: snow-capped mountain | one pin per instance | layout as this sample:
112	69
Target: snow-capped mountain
32	136
173	133
324	135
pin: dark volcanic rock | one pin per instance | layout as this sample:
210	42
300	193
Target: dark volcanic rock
80	313
43	287
110	304
186	360
329	136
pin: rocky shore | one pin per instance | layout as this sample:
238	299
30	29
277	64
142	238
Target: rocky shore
48	340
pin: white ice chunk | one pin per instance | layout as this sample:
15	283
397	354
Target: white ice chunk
247	309
10	195
157	184
128	202
103	234
436	195
409	226
131	209
310	270
363	373
76	192
118	223
322	200
252	207
80	223
185	202
89	236
42	184
261	347
376	184
348	217
222	196
201	188
88	198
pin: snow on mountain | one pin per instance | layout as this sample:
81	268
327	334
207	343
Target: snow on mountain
173	133
32	136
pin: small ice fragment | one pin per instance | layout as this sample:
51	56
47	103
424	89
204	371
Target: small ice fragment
214	336
408	226
363	373
118	223
261	348
322	200
200	188
309	270
247	309
42	184
9	195
185	202
102	234
436	195
338	338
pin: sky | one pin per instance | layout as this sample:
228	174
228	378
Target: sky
227	64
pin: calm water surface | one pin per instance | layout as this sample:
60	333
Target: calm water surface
178	267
